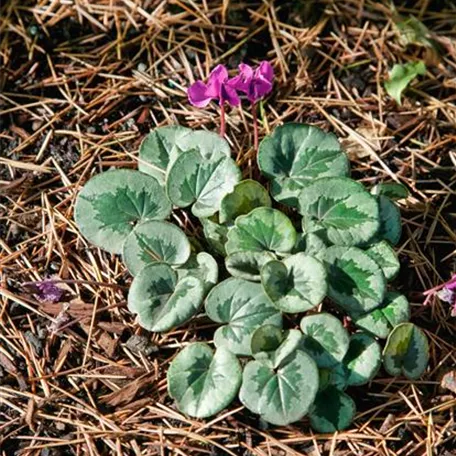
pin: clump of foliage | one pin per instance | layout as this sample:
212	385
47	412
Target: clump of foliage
323	241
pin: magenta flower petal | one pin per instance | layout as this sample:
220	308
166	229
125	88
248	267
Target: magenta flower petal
266	71
198	94
216	80
254	83
230	95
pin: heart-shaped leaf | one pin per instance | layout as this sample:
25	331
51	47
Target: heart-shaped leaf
266	339
343	207
406	351
392	190
296	284
295	154
362	360
325	339
215	234
384	255
160	301
246	196
390	221
155	241
263	229
162	146
380	322
247	265
332	411
203	182
356	282
202	266
263	349
111	203
282	395
243	307
311	244
203	383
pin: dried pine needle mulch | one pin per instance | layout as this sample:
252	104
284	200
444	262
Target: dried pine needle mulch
81	84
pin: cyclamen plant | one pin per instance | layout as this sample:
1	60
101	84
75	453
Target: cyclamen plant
330	258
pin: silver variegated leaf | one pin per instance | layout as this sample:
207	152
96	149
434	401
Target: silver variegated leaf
394	310
111	203
246	196
356	282
160	301
385	256
203	266
242	307
295	154
406	351
349	214
325	339
282	395
215	234
163	145
203	383
362	360
332	411
247	265
201	182
296	284
155	241
263	229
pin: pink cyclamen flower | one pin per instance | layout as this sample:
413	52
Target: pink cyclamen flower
446	292
254	83
217	87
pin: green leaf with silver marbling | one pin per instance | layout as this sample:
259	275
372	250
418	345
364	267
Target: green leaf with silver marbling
201	182
280	395
295	154
215	234
154	241
394	310
203	382
163	145
160	301
247	265
325	339
263	229
203	266
241	307
332	411
296	284
385	256
349	214
246	196
356	282
111	203
406	351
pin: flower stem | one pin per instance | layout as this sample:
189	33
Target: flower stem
222	120
255	127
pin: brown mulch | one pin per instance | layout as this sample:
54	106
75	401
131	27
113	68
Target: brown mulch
81	83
